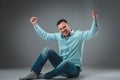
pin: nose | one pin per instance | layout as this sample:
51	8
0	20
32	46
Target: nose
63	30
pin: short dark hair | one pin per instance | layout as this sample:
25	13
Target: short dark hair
61	20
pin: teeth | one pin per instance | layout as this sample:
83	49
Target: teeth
64	32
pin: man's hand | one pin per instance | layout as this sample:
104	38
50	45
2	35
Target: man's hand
33	20
94	14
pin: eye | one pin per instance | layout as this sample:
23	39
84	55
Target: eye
64	26
60	29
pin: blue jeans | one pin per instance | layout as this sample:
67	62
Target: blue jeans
60	66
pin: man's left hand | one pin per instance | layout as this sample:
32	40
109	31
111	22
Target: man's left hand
94	14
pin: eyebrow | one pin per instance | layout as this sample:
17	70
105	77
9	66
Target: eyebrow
61	28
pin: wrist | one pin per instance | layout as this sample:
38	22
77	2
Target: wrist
94	18
34	24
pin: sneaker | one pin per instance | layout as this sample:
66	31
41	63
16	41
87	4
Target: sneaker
40	76
30	76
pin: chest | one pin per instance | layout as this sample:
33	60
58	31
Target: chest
68	42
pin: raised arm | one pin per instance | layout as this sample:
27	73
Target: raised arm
94	28
43	34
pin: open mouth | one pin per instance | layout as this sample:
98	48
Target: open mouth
65	32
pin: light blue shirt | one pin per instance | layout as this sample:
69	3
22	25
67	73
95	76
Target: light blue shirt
70	48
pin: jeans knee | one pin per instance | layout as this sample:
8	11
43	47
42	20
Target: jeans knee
46	50
66	63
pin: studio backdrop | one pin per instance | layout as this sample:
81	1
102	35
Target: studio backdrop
20	45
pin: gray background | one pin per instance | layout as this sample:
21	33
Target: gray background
20	45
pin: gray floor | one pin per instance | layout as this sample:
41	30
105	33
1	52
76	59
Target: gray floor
87	74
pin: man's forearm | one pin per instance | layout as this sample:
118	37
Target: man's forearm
43	34
94	27
40	31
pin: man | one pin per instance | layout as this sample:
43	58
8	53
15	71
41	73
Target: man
69	60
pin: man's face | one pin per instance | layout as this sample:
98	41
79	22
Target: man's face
64	28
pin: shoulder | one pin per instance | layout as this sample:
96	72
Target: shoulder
78	32
58	34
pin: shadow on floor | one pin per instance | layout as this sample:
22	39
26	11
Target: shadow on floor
63	78
80	77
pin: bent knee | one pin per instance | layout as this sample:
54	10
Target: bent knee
66	63
46	49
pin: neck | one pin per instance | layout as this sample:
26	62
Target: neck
68	34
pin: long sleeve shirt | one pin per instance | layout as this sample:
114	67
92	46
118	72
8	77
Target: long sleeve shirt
70	48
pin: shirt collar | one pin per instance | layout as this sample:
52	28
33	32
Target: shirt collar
71	33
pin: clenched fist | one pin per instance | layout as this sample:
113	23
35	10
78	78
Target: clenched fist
94	14
33	20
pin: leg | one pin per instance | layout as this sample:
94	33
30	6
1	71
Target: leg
64	67
47	53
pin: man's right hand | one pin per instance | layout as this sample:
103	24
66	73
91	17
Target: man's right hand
33	20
